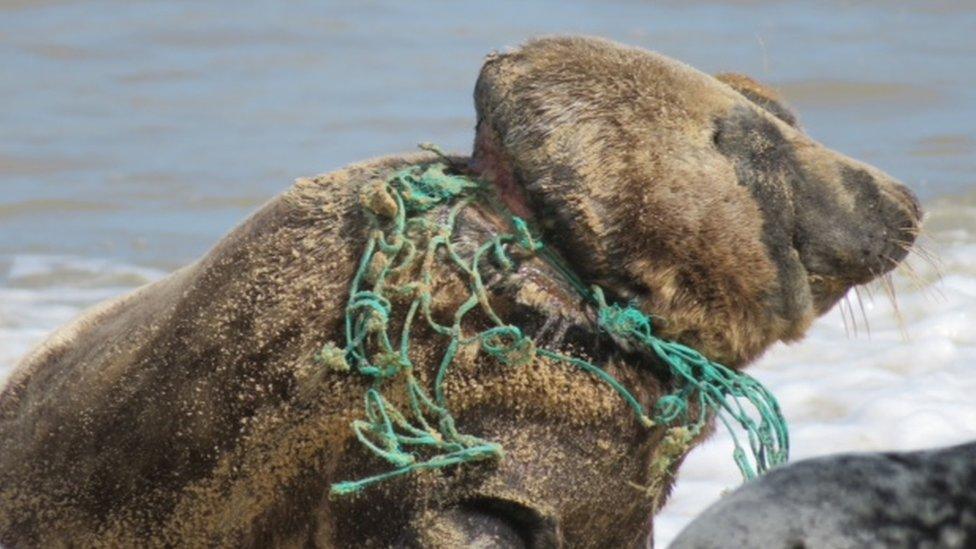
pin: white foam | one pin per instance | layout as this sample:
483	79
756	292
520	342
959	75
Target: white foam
66	271
39	293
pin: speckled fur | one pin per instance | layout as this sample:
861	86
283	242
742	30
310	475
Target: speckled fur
191	412
907	499
671	188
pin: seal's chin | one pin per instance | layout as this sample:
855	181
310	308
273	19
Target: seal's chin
873	244
827	291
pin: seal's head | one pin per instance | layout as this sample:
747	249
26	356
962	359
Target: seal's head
698	197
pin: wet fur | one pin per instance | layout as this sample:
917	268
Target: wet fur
192	412
203	417
724	240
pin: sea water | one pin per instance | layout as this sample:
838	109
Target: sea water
134	134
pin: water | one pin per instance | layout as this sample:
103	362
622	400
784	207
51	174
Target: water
134	134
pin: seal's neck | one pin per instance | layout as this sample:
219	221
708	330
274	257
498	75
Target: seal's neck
490	163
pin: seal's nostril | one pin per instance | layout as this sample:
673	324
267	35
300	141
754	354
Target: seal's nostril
911	201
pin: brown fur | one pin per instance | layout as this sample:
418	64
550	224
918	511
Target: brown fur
192	413
764	96
669	187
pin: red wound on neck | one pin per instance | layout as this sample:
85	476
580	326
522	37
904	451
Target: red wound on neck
492	164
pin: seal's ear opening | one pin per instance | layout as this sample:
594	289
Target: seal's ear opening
761	95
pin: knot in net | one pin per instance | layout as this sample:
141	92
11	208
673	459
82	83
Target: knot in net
626	322
508	345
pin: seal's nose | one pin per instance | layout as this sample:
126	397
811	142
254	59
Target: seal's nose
907	218
854	222
902	215
910	199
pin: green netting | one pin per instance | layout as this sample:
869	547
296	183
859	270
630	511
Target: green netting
397	268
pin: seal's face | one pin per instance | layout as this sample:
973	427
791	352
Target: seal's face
698	197
847	222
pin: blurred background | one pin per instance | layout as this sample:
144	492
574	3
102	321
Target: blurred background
134	134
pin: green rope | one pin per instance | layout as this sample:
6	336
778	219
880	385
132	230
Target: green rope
406	245
710	385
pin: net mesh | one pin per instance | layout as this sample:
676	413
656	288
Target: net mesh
407	245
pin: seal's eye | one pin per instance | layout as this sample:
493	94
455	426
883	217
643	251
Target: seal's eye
762	96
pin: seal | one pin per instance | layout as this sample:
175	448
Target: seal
896	499
193	411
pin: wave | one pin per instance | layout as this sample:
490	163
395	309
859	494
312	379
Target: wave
39	293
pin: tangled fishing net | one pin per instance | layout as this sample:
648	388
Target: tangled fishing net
405	246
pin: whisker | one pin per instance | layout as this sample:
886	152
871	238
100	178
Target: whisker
850	311
870	291
928	290
921	250
843	316
919	282
889	288
844	311
927	246
864	314
932	259
923	237
906	268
